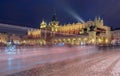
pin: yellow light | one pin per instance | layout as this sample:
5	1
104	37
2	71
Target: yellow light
73	39
106	40
85	39
100	40
68	39
93	40
59	39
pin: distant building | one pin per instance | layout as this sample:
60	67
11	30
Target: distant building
94	32
12	33
15	38
116	36
3	38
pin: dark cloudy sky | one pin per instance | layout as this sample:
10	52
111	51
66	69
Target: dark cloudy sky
31	12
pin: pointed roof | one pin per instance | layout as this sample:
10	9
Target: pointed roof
99	18
54	18
43	22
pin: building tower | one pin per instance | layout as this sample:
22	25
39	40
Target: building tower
43	25
54	23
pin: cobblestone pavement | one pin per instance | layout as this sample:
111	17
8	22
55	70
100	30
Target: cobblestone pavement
75	61
101	64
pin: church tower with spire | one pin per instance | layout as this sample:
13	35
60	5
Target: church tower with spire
54	23
98	21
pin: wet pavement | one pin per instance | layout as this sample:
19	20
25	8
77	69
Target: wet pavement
86	61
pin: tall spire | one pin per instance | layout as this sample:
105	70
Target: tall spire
102	21
99	18
54	18
95	18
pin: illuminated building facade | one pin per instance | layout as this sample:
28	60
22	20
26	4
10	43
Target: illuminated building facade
98	32
16	39
90	32
116	37
3	39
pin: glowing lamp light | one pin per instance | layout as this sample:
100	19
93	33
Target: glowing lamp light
93	40
106	40
99	40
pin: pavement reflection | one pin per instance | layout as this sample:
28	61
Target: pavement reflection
26	58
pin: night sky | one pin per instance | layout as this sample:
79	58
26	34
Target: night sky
30	13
